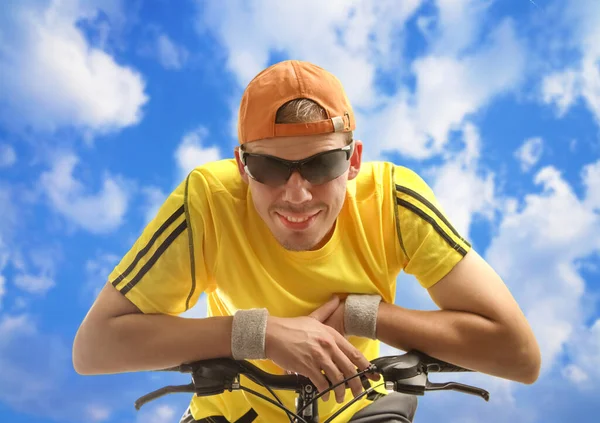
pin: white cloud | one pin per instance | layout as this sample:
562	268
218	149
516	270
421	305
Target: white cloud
98	413
4	255
448	90
33	284
2	287
585	370
13	324
16	387
575	374
51	77
98	212
6	228
8	156
561	88
158	414
97	271
564	87
461	187
346	37
459	24
170	55
36	270
190	153
155	198
529	253
530	153
591	178
37	385
352	39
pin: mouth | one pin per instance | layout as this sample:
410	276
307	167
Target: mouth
297	222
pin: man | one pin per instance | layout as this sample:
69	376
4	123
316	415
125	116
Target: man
297	246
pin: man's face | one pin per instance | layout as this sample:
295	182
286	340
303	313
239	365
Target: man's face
300	215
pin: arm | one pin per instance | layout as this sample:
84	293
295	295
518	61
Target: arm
133	325
480	326
116	337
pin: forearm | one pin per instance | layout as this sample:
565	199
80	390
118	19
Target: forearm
140	342
462	338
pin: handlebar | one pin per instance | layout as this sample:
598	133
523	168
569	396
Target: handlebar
406	373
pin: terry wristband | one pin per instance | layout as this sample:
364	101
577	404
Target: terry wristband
249	328
360	315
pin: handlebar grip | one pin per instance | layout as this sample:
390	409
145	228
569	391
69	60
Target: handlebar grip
435	365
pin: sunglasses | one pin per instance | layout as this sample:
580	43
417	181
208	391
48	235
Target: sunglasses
317	169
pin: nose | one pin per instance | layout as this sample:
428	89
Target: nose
296	190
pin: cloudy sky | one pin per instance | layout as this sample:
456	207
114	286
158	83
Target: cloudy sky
105	105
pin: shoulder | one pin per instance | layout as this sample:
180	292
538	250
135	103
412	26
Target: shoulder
390	179
407	182
219	177
374	178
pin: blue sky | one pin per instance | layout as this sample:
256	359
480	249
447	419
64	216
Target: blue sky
104	105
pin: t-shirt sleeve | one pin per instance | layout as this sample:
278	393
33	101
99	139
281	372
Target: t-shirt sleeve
429	245
164	271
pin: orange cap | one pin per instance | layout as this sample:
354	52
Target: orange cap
285	81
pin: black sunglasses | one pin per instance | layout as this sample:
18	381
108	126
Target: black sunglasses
317	169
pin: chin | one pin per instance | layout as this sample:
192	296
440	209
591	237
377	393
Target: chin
298	242
296	245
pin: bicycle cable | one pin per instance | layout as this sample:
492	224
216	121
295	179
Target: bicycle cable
341	410
258	394
367	370
297	416
267	387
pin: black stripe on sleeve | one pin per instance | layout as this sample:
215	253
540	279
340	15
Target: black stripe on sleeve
163	247
431	207
191	243
433	223
397	219
145	250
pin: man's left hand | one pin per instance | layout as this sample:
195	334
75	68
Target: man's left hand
336	319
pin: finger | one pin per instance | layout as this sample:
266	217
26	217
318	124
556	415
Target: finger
373	376
323	312
348	369
354	355
319	380
335	376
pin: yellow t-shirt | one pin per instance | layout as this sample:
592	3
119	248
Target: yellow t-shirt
208	238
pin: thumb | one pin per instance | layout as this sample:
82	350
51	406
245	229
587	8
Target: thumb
323	312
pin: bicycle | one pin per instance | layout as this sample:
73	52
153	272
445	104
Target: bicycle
406	373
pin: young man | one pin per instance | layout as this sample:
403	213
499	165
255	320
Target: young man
297	246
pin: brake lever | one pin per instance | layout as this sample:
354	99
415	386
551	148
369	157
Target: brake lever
417	385
460	387
161	392
209	377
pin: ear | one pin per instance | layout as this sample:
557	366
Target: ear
240	165
355	160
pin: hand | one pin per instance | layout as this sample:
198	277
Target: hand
336	319
305	345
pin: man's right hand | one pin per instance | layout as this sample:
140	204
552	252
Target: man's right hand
306	346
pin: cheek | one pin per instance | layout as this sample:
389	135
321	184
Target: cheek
261	195
333	193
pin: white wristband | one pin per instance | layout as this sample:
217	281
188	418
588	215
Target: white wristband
360	315
249	328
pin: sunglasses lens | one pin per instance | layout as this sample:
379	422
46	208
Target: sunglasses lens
325	168
266	170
